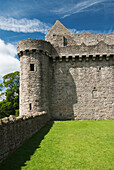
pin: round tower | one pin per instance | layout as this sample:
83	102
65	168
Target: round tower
34	75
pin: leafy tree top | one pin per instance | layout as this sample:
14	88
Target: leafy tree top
11	85
10	89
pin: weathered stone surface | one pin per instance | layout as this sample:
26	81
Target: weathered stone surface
83	90
14	132
73	75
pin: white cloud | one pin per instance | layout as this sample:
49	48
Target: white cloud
74	31
8	62
77	7
23	25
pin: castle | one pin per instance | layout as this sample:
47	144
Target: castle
67	77
70	76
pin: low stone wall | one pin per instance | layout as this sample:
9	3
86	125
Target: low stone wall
14	131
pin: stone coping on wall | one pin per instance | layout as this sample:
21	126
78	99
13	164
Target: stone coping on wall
12	118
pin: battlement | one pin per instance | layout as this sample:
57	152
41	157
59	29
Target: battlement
100	50
60	36
33	45
94	39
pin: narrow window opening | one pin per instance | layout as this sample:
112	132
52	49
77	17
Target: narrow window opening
53	35
99	68
30	106
94	93
31	67
64	41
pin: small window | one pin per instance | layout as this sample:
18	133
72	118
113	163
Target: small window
64	41
94	93
53	35
31	67
30	106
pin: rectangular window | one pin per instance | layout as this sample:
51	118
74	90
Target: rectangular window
30	106
31	67
64	41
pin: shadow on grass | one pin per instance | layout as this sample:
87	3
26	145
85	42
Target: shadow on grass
17	159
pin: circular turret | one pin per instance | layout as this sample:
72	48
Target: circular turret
34	75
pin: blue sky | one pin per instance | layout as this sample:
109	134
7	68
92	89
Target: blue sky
21	19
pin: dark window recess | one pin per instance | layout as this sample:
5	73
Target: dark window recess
31	67
64	41
30	106
94	93
54	35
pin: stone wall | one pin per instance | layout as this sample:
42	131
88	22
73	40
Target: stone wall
14	131
92	39
83	90
82	74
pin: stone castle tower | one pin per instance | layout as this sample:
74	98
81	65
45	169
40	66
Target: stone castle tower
70	76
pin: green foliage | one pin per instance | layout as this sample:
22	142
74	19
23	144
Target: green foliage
11	93
17	113
6	108
67	145
1	86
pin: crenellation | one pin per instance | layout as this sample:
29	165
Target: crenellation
81	57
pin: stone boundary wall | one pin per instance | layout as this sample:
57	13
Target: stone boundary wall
14	131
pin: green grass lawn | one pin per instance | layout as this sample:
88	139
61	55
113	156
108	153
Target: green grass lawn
67	145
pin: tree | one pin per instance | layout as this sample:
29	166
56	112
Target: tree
10	89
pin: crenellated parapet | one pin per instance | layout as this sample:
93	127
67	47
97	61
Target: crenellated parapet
32	47
34	51
79	52
79	57
59	36
29	46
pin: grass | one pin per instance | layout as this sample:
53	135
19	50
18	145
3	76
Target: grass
66	145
